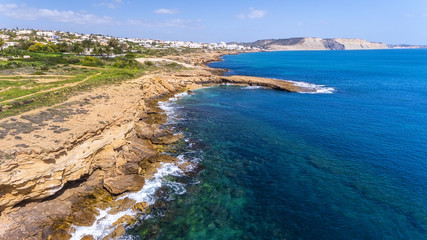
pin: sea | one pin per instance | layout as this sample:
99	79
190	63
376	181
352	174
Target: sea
348	161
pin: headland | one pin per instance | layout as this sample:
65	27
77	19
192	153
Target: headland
61	164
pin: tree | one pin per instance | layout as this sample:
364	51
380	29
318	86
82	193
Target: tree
24	44
77	48
98	51
40	47
50	47
113	43
2	43
130	47
62	47
87	43
14	51
36	47
117	50
107	50
11	34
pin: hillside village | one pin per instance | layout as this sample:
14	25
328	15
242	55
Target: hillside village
14	42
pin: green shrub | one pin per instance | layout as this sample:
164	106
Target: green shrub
92	62
173	65
73	60
130	55
11	65
44	68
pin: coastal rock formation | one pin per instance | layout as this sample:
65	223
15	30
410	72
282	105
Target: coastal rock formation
351	44
110	142
265	82
123	183
310	43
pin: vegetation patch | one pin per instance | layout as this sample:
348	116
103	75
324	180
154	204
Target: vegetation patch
46	79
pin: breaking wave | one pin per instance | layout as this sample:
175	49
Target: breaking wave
314	88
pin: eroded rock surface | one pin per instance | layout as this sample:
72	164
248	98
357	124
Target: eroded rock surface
123	183
57	169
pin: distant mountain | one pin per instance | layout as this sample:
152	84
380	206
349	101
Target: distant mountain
311	43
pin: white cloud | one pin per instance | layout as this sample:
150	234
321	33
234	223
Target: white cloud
182	23
253	14
111	4
25	13
166	11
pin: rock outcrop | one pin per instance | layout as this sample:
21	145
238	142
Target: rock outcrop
46	186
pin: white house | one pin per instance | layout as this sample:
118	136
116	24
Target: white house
4	37
10	44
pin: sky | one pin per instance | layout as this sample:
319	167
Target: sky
391	21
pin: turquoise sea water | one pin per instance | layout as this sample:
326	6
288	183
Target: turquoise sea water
277	165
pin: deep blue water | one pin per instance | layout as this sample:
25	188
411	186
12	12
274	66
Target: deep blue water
277	165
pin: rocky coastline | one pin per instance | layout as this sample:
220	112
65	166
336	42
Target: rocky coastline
56	172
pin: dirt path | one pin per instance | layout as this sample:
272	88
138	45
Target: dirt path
52	89
88	67
38	80
143	60
3	77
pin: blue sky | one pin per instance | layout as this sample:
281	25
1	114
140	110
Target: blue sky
225	20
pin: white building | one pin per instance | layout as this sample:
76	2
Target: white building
23	32
10	44
46	33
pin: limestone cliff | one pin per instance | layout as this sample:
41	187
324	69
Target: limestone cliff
310	43
350	43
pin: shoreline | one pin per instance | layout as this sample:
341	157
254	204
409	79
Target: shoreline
64	181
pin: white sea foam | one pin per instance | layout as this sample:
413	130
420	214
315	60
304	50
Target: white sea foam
253	87
104	221
315	89
169	108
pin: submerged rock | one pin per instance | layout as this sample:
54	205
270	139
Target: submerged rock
141	207
125	220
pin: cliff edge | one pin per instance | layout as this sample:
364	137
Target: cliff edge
311	43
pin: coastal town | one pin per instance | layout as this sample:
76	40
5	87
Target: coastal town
14	42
